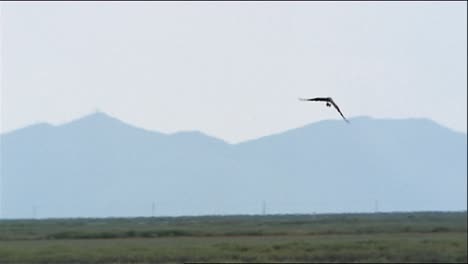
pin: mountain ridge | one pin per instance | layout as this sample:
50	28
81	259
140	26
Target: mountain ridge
101	167
99	115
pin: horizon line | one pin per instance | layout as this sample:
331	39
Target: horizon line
100	112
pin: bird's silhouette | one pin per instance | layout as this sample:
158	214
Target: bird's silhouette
329	101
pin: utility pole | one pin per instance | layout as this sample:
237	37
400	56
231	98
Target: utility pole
264	208
153	209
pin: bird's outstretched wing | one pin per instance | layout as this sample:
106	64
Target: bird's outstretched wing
337	108
324	99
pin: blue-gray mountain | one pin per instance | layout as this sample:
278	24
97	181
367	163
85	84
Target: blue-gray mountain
98	166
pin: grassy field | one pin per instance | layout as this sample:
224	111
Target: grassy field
383	237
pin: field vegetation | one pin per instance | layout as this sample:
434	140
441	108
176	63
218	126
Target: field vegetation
379	237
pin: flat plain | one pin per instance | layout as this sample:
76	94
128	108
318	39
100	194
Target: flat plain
375	237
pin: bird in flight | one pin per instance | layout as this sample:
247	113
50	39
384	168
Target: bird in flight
329	101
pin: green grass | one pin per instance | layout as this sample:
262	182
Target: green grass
397	237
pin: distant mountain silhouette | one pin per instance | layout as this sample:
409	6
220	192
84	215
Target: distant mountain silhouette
98	166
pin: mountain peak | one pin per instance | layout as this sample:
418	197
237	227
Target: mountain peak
95	119
98	115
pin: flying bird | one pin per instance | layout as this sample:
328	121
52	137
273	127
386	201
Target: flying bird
329	101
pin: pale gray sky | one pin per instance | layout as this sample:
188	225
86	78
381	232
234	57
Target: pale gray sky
233	70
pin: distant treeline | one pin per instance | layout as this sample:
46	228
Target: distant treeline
237	225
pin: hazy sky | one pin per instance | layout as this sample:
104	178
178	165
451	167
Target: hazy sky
233	70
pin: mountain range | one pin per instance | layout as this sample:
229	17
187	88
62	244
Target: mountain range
99	166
